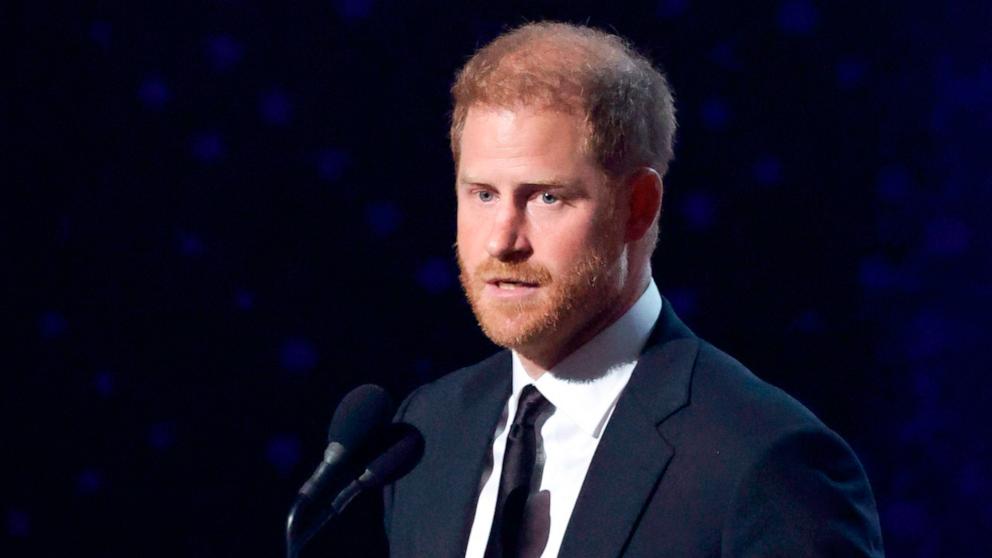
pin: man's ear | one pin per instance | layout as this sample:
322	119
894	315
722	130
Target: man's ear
646	191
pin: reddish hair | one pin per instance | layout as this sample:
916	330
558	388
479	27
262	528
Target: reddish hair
625	101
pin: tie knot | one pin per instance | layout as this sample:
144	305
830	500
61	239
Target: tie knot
531	406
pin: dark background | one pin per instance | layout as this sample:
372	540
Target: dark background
226	214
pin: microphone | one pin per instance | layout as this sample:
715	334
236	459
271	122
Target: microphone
362	411
359	418
398	460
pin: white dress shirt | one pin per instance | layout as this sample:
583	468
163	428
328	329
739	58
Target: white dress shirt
582	409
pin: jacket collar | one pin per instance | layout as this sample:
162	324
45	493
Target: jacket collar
632	456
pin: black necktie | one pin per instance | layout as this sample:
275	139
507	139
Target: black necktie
518	470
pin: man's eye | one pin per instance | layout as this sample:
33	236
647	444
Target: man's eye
549	198
485	196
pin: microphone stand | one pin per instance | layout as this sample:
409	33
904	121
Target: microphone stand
299	516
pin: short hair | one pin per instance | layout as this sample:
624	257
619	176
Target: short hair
626	102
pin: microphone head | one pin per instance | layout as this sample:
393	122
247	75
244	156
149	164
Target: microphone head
365	409
399	459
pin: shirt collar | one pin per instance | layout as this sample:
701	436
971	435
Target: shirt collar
607	360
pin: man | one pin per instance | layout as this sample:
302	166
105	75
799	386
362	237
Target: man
607	428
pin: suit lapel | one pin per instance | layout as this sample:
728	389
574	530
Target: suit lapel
632	455
466	439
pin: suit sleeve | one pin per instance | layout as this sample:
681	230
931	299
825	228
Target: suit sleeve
805	496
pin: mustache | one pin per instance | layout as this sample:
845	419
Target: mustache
519	272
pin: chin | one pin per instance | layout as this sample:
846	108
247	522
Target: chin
517	330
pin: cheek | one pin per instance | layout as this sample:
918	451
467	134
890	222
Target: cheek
570	245
466	239
462	222
562	249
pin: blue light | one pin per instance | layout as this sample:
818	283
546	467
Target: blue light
906	519
103	382
725	56
797	17
224	51
972	479
298	355
767	170
190	244
153	92
244	299
89	481
929	334
685	301
893	183
850	73
715	113
207	146
100	34
275	108
436	275
699	211
947	236
331	164
18	523
877	274
809	321
671	8
162	436
353	10
383	218
52	325
283	452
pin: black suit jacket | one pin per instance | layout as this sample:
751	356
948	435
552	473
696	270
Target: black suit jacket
700	458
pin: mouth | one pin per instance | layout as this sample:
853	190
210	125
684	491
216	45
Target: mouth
511	284
504	286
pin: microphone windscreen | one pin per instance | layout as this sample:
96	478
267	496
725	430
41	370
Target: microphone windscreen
401	456
364	409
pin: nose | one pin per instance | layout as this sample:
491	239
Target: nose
508	237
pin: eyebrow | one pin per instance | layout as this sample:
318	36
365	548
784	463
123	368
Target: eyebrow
553	182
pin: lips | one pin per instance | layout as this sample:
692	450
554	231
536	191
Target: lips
503	288
511	284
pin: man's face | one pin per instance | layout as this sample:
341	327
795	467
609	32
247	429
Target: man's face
539	245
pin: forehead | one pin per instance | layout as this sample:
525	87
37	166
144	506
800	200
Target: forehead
524	136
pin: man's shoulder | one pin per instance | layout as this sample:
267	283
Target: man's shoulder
736	408
761	450
719	374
